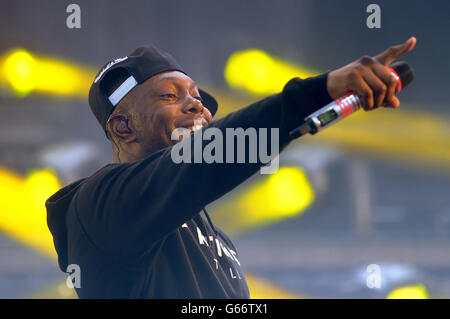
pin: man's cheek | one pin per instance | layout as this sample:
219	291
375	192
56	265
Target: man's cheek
166	135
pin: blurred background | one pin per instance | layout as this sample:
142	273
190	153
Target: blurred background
360	210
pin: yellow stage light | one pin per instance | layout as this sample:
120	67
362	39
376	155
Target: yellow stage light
26	73
409	292
22	208
260	73
19	69
284	194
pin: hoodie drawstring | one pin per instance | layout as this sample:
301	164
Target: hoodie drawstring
210	222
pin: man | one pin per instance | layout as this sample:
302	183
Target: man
137	228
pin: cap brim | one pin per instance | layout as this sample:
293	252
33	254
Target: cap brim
209	101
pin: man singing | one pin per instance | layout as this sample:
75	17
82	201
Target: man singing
137	228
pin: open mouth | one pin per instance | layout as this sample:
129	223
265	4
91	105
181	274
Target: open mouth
197	126
188	128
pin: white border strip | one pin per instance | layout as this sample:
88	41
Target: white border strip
122	90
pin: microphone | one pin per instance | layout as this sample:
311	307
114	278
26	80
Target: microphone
348	104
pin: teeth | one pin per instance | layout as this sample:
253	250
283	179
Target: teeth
197	126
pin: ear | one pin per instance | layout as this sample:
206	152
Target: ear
120	127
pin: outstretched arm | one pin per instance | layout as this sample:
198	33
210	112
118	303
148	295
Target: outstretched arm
138	203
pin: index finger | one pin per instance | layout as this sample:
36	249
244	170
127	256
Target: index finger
394	52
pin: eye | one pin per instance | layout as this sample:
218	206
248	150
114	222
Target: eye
198	98
168	95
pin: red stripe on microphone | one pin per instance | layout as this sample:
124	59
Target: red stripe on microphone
344	102
350	106
342	109
398	85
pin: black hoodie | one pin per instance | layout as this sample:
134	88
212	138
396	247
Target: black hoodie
139	229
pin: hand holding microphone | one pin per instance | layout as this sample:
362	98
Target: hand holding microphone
368	82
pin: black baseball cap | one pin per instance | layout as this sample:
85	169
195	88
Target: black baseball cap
139	66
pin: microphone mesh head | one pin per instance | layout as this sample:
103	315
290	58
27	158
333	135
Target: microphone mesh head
404	71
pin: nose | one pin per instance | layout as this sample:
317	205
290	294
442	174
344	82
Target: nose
194	106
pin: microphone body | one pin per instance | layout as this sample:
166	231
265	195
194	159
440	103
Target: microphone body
347	104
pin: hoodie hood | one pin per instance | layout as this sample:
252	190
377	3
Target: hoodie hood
57	207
